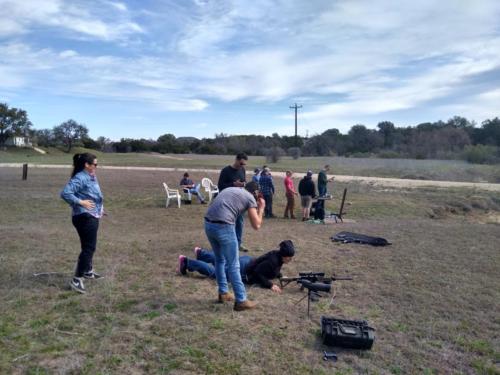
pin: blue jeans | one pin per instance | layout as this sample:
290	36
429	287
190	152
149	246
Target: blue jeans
268	210
239	229
196	191
322	190
206	260
222	238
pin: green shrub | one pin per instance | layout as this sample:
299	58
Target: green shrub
481	154
274	154
294	152
389	155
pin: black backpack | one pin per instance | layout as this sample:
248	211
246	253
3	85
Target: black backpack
319	213
348	237
318	210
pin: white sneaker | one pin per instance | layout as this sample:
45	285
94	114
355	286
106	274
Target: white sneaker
92	275
76	284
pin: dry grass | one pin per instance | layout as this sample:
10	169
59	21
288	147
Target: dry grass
445	170
433	296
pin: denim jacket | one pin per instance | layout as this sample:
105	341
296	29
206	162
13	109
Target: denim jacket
83	186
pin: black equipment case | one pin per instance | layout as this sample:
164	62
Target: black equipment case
348	237
355	334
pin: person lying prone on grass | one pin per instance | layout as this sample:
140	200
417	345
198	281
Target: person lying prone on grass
259	270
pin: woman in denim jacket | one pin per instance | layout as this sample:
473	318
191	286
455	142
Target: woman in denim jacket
83	194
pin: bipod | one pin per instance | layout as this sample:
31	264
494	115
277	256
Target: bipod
311	295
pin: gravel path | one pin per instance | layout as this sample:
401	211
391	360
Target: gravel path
376	181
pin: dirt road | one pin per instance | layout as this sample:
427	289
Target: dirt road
376	181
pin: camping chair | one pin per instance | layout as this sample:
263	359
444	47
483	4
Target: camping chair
210	188
172	193
341	210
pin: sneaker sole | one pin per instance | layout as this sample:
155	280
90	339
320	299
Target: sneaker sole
179	266
77	289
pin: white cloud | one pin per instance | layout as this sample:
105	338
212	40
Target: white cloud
357	58
68	53
408	93
67	73
119	6
27	15
335	50
482	106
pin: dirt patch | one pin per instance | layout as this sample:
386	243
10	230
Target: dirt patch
161	156
477	208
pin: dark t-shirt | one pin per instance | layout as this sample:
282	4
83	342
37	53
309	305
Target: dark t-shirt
322	179
228	175
186	181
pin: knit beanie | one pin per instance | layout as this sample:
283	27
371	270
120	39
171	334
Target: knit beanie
287	249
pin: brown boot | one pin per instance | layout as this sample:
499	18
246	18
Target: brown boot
226	297
245	305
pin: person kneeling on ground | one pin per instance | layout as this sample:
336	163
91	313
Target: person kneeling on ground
259	270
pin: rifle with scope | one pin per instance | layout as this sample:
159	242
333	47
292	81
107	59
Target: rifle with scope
311	277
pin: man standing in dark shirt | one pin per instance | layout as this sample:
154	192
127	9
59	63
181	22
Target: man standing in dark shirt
323	181
235	176
307	192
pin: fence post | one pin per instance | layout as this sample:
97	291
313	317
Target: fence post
25	171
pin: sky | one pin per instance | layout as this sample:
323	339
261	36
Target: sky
143	68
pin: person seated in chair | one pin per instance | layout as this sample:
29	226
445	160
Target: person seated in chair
259	270
189	186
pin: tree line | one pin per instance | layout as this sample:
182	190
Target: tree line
453	139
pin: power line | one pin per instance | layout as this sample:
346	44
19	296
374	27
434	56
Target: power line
296	107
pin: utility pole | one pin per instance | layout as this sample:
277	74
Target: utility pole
296	107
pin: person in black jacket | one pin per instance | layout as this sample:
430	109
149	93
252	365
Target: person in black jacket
259	270
307	192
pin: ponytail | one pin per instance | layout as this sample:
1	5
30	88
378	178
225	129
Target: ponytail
79	161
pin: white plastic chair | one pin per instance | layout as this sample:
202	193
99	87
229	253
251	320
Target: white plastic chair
172	193
210	188
187	195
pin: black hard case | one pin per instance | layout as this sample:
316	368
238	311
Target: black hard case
355	334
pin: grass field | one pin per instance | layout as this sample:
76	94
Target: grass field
433	296
446	170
